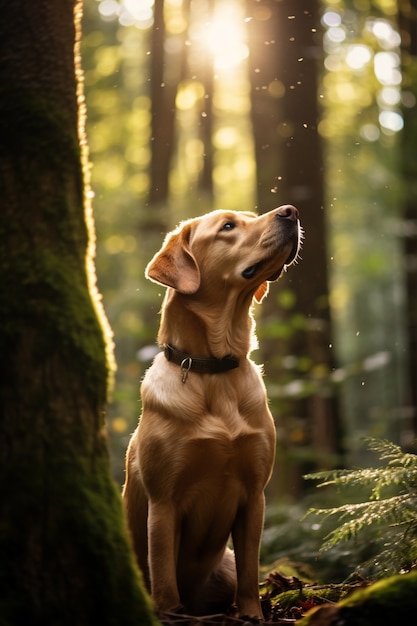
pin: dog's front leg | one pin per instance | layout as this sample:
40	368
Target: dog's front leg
246	535
163	546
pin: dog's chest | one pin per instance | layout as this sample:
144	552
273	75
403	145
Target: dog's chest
210	440
211	463
233	452
217	467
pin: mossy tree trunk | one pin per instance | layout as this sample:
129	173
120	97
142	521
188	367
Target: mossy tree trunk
65	557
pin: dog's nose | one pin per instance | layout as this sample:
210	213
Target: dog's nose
287	212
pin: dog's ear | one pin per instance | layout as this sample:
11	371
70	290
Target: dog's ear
174	265
261	292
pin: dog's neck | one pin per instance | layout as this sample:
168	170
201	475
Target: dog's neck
222	329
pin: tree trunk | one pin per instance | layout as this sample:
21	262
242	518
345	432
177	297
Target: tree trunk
206	119
65	557
163	94
408	28
283	63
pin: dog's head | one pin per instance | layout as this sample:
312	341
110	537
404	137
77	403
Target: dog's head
237	249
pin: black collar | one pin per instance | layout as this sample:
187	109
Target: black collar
200	364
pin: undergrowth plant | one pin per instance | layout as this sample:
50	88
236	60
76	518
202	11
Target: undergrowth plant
387	519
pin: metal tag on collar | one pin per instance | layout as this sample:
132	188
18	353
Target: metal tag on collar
185	368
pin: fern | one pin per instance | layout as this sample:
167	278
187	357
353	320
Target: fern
388	517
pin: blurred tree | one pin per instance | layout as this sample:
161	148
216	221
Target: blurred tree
408	31
361	124
206	71
163	93
65	553
170	68
285	49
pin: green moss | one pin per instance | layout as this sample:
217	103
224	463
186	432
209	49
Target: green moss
79	553
389	601
290	598
58	308
44	262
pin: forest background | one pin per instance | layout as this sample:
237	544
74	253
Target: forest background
195	105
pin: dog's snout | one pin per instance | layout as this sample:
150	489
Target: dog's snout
287	212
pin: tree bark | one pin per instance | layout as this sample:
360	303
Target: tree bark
65	556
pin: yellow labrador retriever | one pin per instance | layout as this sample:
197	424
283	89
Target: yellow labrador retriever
198	463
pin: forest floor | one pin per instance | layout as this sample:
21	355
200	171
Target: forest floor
284	600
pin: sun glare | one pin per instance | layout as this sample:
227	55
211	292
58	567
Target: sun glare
224	36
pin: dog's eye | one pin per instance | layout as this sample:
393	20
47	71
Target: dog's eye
228	226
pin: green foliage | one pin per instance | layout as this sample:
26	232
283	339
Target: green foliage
388	517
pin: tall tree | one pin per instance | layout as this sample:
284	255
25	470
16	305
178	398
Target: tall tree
166	73
65	557
163	92
408	28
284	53
206	120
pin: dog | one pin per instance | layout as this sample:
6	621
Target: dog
199	461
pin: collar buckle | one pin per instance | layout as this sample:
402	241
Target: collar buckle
186	365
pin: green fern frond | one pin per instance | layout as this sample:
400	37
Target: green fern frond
398	510
396	514
360	477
